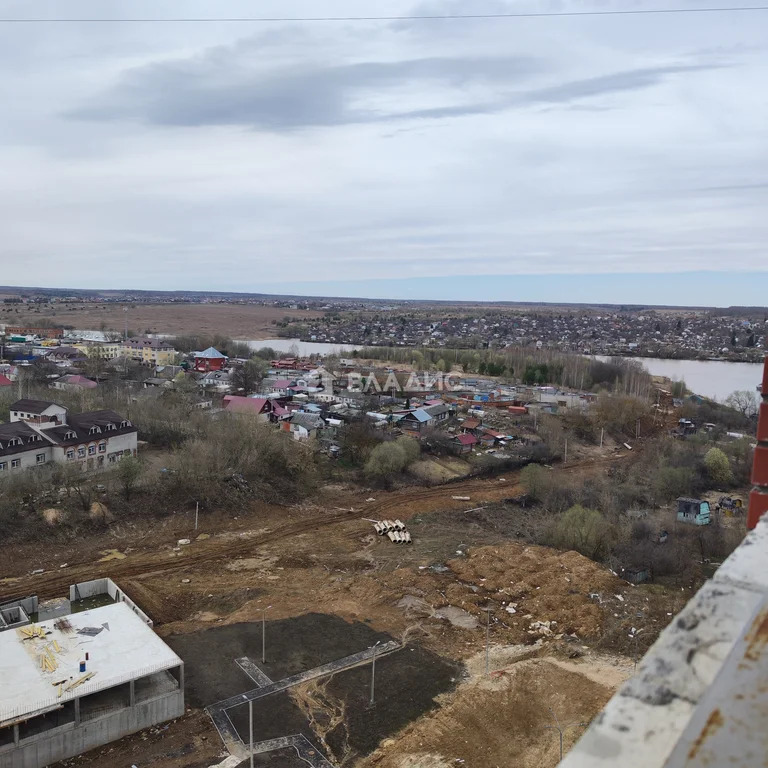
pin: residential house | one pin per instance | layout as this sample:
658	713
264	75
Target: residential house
149	351
42	413
155	382
278	386
416	420
74	382
41	432
464	443
66	355
303	425
259	407
101	350
217	380
471	425
94	439
439	413
209	360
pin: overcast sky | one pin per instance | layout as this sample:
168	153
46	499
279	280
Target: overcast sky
327	157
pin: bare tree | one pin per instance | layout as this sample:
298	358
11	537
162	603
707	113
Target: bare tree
743	401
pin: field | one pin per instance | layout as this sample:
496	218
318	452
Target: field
237	321
331	587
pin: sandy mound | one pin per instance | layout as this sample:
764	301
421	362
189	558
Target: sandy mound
536	582
99	512
52	516
499	721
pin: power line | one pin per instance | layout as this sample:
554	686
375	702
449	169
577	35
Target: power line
436	17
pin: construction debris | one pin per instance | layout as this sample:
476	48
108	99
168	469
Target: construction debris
63	625
90	631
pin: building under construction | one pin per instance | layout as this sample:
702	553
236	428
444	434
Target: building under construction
82	677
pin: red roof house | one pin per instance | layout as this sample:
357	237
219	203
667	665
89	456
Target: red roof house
260	407
5	381
465	442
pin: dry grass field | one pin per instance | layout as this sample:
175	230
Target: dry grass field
238	321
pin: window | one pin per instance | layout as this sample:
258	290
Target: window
3	466
127	452
124	424
70	454
15	463
91	450
113	457
111	427
81	452
70	435
94	431
40	458
102	447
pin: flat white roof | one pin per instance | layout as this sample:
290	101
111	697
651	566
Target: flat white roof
125	649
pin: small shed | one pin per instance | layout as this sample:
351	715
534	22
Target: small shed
693	511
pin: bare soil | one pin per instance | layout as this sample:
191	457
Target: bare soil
334	586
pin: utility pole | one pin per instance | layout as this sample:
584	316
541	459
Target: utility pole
197	510
565	452
264	634
373	674
250	730
561	729
602	429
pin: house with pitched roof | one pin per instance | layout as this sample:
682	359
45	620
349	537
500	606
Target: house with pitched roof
209	360
259	407
41	432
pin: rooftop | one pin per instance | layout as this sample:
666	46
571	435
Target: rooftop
210	354
32	406
125	648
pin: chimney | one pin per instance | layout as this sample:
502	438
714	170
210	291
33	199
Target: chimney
758	499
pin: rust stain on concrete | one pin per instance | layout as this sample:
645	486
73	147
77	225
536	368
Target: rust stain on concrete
714	721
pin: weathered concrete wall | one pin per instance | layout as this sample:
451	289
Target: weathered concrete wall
106	587
70	740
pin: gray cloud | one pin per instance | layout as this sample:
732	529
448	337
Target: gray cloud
615	82
231	87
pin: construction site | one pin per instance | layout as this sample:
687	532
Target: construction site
79	673
306	632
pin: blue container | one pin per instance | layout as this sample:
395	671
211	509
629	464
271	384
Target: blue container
82	666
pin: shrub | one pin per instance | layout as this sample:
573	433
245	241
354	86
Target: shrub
718	467
584	530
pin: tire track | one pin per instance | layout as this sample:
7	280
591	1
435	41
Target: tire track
55	584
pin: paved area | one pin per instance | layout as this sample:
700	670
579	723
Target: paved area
266	687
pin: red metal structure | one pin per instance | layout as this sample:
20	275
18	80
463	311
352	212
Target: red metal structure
758	499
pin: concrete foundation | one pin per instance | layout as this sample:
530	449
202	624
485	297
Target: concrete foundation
61	741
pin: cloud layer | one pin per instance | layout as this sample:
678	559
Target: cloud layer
232	156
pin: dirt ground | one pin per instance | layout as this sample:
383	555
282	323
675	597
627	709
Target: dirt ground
238	321
333	586
502	720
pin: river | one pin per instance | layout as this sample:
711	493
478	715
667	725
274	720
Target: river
715	379
304	347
